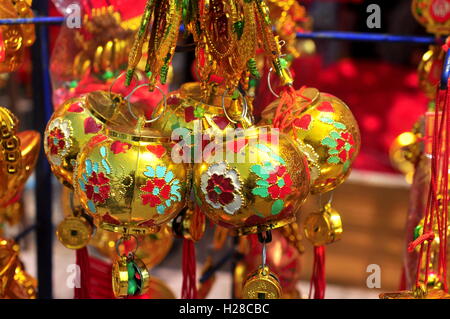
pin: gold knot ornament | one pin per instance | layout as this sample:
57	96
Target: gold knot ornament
325	130
252	183
323	227
15	282
18	155
15	38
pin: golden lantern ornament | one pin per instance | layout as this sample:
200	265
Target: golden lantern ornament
259	186
18	156
429	70
324	129
434	15
73	125
323	227
128	183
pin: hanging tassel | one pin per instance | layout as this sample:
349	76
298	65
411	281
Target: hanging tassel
318	276
189	287
82	261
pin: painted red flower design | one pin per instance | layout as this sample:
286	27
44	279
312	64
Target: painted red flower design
279	183
220	189
56	141
97	188
345	146
155	189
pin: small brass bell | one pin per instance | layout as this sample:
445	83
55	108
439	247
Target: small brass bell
324	227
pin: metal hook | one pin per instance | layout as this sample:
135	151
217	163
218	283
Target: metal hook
244	110
270	84
128	97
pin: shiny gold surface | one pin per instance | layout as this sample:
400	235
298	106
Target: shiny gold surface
429	70
324	227
326	132
152	248
15	282
15	38
187	109
434	15
18	155
126	178
431	294
74	232
259	189
262	284
73	124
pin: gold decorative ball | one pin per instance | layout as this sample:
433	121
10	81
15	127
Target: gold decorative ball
72	125
186	108
126	178
326	132
252	183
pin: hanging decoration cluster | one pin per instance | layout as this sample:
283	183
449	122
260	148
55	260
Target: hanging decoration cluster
201	154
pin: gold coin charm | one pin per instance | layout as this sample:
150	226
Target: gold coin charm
324	227
130	276
74	232
262	284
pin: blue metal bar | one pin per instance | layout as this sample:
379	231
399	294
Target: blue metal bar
445	71
368	37
43	109
35	20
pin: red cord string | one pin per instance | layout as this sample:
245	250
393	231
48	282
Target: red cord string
318	283
82	260
189	286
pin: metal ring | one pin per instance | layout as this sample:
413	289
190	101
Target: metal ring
244	110
270	84
127	98
115	80
122	239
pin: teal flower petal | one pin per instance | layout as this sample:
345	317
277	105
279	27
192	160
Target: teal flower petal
160	171
91	206
277	206
103	151
262	183
150	172
335	135
82	185
339	125
89	166
334	160
328	141
106	166
260	191
260	171
169	177
160	209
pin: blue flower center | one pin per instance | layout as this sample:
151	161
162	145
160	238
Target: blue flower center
96	189
281	182
55	141
156	191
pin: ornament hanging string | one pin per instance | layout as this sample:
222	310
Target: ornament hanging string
189	287
436	212
318	283
82	260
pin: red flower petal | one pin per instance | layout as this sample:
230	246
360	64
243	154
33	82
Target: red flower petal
149	186
213	196
158	150
284	191
343	155
273	178
226	198
287	180
89	191
274	191
281	170
150	199
165	191
159	182
102	179
340	144
226	185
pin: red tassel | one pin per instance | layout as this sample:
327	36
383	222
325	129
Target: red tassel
318	275
82	261
189	287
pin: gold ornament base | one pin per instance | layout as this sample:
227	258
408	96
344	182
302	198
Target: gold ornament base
262	228
408	294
